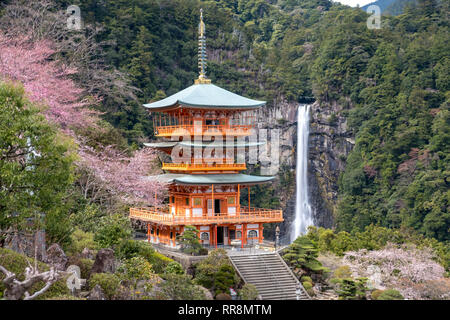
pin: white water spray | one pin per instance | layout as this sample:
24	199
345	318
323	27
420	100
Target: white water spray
303	212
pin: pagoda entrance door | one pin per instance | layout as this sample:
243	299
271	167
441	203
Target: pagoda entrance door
220	234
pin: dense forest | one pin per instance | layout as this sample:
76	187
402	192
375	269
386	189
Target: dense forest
392	84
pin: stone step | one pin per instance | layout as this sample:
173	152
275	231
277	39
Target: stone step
270	275
280	297
274	286
284	279
263	271
269	290
262	267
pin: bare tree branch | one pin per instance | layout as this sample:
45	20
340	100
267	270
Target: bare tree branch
16	289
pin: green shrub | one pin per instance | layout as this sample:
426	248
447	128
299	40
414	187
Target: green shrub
307	285
179	287
81	240
311	292
306	278
85	267
159	262
375	294
131	248
87	216
225	279
189	241
207	270
136	268
302	254
112	230
128	249
248	292
174	267
109	283
343	272
351	289
390	294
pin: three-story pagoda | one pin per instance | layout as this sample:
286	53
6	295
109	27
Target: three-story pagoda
205	191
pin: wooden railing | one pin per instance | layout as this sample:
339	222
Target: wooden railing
238	130
203	166
160	215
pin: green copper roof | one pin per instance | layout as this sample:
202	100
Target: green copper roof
208	179
164	144
218	144
205	96
164	178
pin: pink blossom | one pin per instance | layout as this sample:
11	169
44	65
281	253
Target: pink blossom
123	176
46	81
400	267
108	172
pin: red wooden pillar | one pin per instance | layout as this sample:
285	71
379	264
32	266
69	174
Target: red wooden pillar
249	199
261	228
238	202
242	235
148	232
212	199
244	232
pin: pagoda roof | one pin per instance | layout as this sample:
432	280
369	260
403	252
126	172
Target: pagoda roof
164	178
209	179
221	179
204	96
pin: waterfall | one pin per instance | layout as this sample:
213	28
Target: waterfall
303	212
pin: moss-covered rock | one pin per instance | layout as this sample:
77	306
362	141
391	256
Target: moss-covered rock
390	294
375	294
223	296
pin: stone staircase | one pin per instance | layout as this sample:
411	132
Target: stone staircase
270	275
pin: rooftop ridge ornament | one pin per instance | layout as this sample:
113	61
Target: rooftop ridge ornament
202	52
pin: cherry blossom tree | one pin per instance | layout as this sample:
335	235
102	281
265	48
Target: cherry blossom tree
105	173
401	267
46	81
111	172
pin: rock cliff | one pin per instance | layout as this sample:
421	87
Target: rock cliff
330	141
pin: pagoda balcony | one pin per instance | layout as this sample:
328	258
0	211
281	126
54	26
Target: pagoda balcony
162	216
206	165
204	130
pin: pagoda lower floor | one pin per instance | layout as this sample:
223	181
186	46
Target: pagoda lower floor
238	235
210	203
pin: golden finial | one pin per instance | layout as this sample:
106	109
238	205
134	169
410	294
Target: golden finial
202	52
